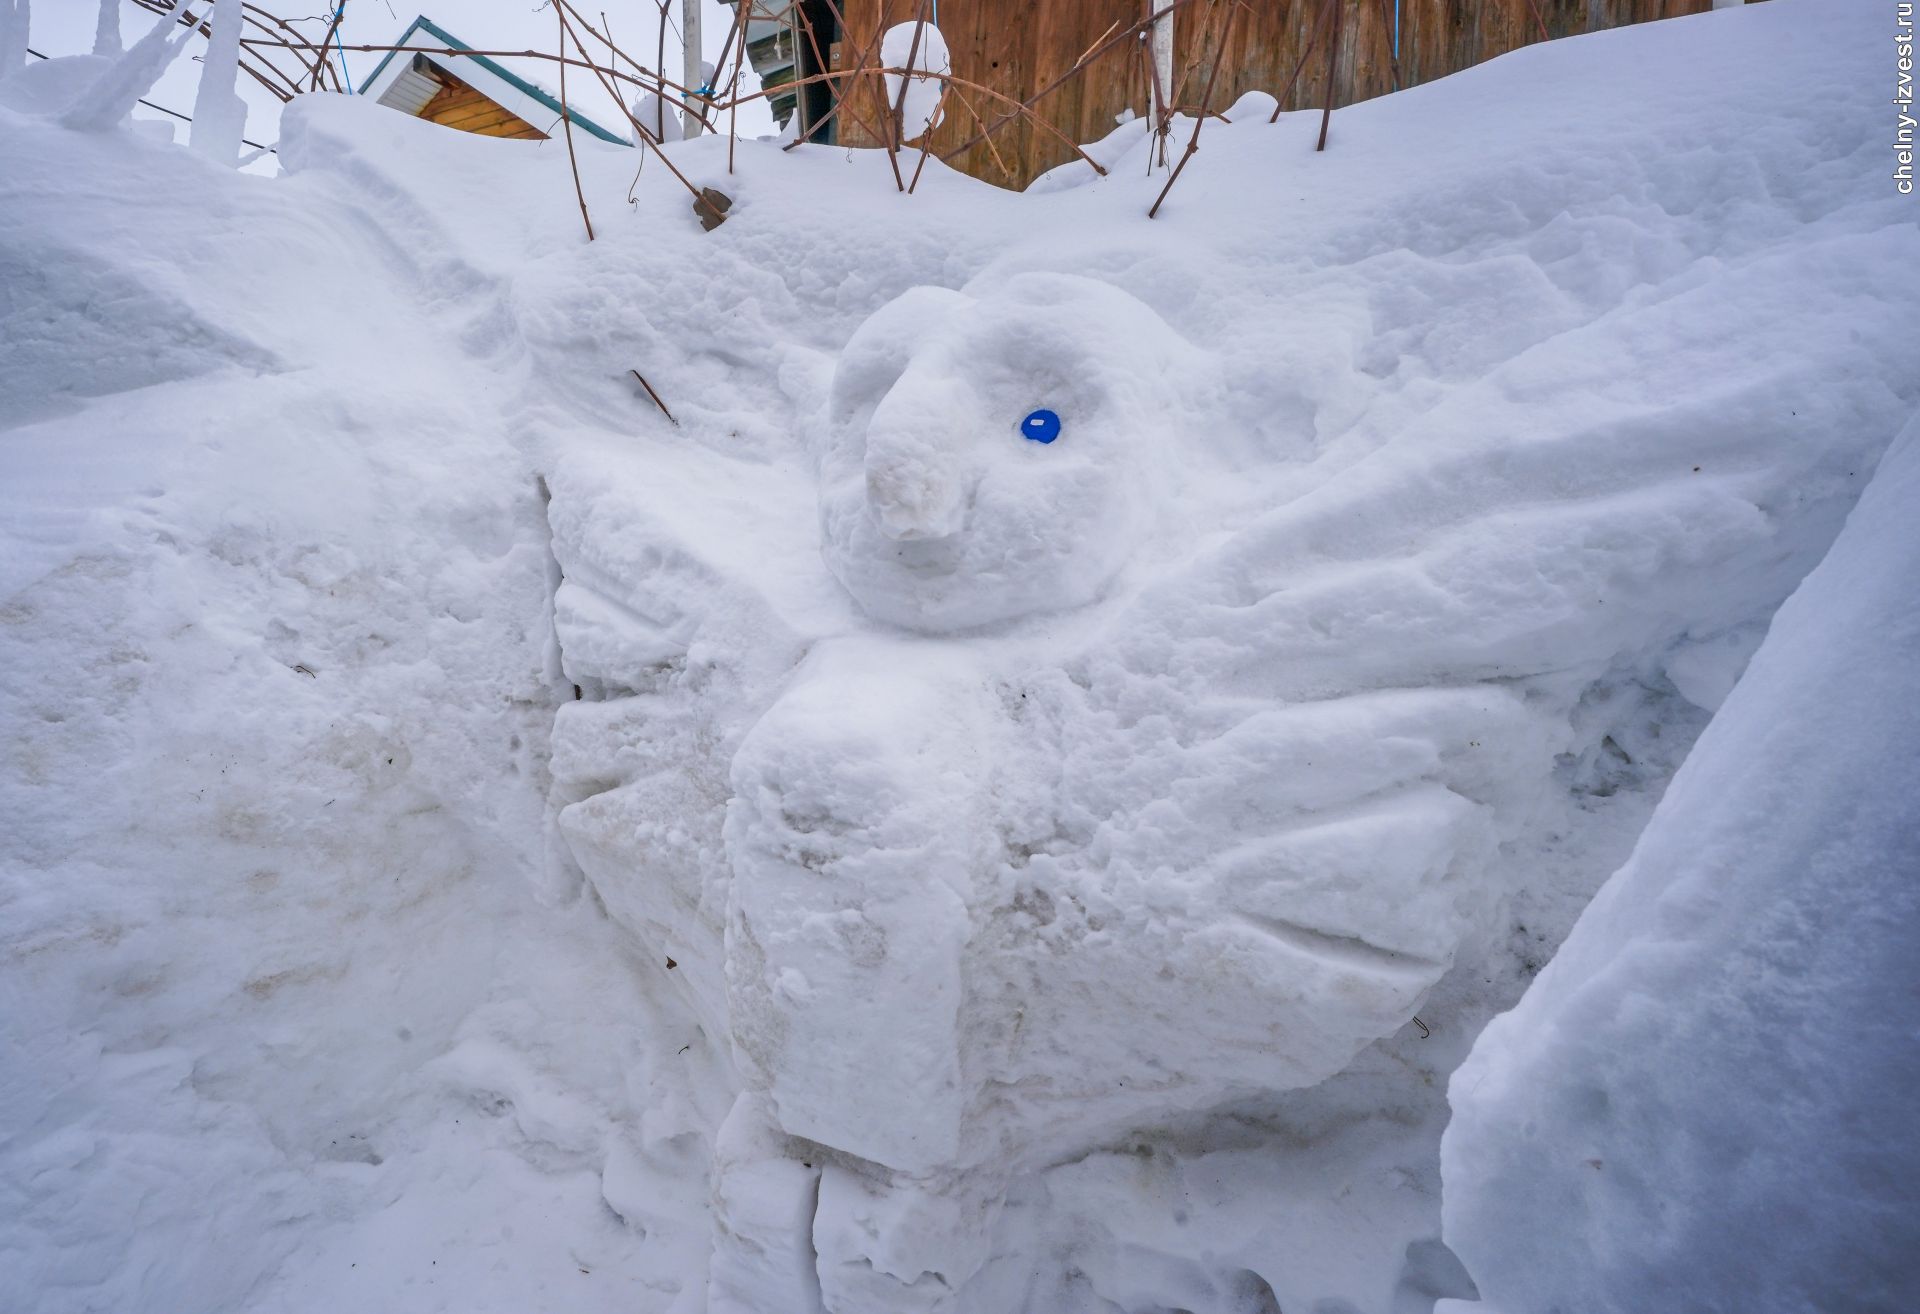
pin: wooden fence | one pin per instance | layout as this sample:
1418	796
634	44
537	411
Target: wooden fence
1020	47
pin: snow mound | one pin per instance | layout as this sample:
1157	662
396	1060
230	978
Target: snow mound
1724	1048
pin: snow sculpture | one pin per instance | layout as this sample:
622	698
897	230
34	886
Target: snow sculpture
95	92
1006	797
997	842
935	517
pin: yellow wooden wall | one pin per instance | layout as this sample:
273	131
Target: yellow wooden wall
456	105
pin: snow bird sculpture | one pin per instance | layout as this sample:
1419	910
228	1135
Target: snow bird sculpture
983	875
1034	792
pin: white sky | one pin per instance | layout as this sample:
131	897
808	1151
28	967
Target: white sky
66	27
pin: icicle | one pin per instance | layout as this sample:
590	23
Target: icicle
16	16
106	30
111	98
219	115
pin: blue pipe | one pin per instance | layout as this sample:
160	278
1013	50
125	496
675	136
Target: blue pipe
1396	45
339	16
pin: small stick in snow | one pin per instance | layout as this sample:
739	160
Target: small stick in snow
831	78
890	131
1096	44
656	396
896	124
641	135
999	161
660	54
733	83
926	148
566	120
650	79
1280	101
979	122
926	136
320	66
1206	101
1021	108
1162	110
1333	68
839	96
1019	111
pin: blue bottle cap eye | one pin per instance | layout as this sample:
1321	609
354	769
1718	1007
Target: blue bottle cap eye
1041	426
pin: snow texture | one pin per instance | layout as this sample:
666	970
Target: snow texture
16	21
98	92
473	844
1724	1048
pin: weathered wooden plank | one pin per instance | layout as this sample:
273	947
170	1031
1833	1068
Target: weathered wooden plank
464	114
457	105
517	129
456	114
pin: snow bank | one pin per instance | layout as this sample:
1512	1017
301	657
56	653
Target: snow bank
1703	1102
284	1026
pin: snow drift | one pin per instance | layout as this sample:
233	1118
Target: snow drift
1724	1047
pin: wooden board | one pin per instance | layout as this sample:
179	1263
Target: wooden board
1018	47
457	105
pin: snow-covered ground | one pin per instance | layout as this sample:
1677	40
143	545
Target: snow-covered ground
468	843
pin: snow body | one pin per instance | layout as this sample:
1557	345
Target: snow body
1723	1050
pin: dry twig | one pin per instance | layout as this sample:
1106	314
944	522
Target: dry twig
566	120
1206	100
1280	102
1333	68
656	396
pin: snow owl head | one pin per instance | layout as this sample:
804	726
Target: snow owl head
992	456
